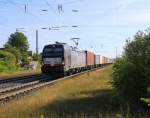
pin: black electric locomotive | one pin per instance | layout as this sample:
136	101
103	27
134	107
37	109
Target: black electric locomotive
62	59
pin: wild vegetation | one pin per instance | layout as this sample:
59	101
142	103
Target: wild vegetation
131	73
7	61
90	95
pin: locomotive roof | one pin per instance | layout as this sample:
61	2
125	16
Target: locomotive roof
64	44
56	44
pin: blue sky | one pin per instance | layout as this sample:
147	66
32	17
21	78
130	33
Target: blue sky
103	24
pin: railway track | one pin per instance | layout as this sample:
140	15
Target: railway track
6	85
19	78
35	82
11	87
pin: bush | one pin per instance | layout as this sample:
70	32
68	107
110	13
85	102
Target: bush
7	57
37	57
131	73
25	57
4	67
15	52
7	61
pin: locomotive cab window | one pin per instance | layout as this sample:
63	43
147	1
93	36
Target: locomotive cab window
53	52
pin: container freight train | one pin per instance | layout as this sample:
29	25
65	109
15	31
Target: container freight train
61	59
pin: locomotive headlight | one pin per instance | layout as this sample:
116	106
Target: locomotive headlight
63	63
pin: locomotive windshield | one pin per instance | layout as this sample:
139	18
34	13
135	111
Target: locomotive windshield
53	52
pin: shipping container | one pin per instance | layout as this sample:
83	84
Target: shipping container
97	59
90	61
102	60
106	60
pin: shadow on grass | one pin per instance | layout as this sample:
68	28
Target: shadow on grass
95	104
98	101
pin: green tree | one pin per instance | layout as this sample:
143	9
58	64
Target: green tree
19	41
131	73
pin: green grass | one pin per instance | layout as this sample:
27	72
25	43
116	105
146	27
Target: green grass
17	71
87	96
5	66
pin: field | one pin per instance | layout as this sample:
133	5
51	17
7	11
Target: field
4	75
86	96
19	72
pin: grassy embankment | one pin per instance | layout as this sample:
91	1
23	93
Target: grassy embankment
18	72
86	96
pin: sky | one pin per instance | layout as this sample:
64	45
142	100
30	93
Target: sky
103	25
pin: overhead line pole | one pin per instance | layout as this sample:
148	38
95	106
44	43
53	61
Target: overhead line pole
116	52
37	48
